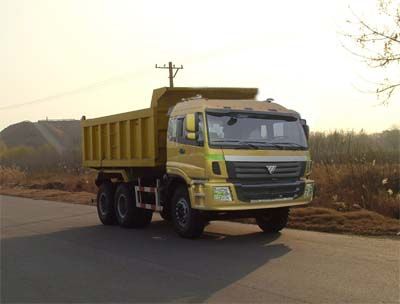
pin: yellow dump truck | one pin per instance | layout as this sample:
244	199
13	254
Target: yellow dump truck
197	155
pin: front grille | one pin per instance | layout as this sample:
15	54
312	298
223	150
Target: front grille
254	181
259	171
247	193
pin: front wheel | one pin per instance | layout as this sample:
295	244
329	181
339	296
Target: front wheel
188	222
273	220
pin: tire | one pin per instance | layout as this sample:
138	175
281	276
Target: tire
105	204
273	220
188	222
126	212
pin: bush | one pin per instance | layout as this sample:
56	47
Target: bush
351	186
341	147
42	158
11	176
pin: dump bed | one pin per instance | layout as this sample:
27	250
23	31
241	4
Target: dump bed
138	138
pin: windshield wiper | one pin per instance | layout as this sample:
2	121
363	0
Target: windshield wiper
257	144
249	144
253	143
224	140
267	144
239	142
291	144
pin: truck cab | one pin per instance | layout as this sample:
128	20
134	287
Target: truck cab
239	155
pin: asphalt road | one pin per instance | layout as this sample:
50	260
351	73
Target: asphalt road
58	252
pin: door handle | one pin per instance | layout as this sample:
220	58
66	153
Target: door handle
182	151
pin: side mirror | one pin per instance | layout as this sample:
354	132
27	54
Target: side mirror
306	128
306	131
190	123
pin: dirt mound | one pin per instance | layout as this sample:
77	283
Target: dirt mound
22	134
65	133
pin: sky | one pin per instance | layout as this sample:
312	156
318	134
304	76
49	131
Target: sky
97	57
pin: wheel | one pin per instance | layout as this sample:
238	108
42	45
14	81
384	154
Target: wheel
105	204
273	220
188	222
127	214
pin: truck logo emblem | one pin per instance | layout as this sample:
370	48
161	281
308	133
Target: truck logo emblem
271	169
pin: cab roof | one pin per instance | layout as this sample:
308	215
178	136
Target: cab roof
202	104
185	99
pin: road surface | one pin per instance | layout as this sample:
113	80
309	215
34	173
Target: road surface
58	252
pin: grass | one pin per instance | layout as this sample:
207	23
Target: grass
355	186
80	197
11	176
67	180
362	222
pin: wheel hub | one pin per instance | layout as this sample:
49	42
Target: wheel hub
182	212
122	206
103	204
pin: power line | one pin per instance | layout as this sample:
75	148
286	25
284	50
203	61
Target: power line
214	53
72	92
170	68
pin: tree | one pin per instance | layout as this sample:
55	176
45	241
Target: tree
377	43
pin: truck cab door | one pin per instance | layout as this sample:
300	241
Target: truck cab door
185	155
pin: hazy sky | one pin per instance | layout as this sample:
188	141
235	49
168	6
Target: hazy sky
291	50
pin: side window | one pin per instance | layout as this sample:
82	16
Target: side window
200	134
179	128
171	133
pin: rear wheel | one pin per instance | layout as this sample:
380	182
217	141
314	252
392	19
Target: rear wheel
105	204
188	222
127	214
273	220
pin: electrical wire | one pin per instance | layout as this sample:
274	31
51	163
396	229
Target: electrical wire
89	87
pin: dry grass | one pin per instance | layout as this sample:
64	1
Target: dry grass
354	186
11	176
67	186
362	222
73	187
81	197
76	181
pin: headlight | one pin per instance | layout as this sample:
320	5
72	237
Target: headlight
309	190
222	194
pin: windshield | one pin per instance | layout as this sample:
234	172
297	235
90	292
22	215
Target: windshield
255	130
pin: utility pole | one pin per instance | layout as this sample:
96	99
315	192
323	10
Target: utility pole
171	67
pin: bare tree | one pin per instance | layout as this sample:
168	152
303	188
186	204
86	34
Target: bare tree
377	43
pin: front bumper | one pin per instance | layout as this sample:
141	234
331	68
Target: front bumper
202	197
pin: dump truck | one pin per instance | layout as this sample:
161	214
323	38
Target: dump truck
198	155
